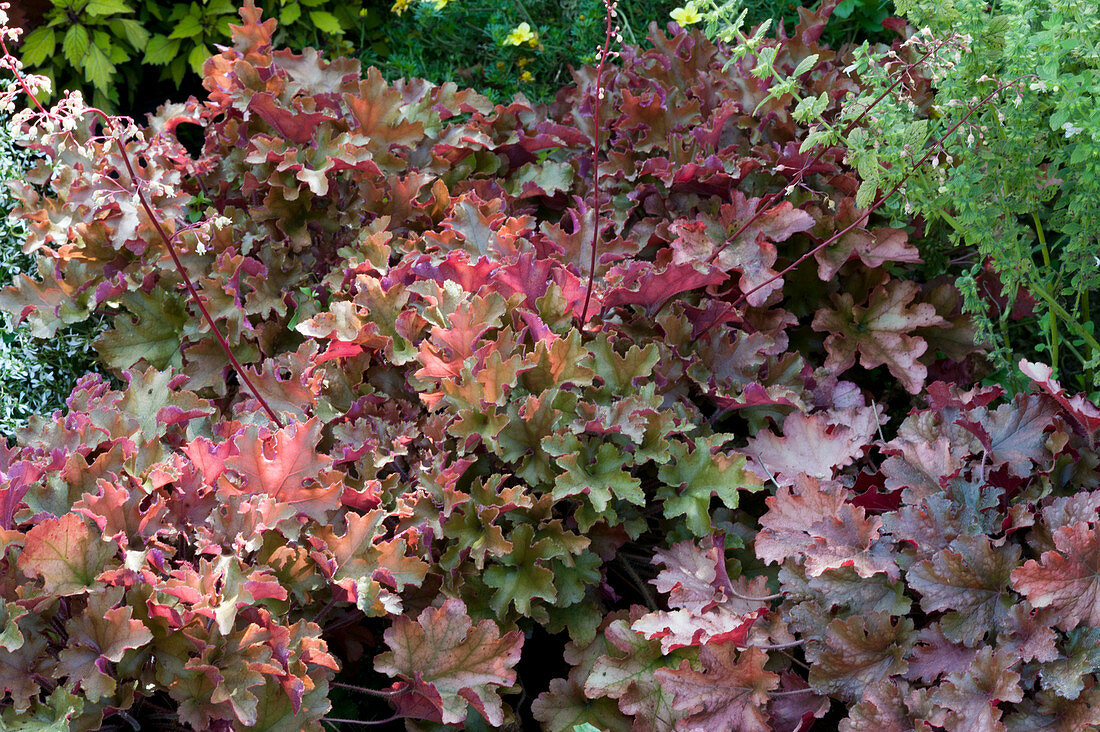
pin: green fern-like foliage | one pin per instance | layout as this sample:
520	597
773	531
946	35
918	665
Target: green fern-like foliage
1016	192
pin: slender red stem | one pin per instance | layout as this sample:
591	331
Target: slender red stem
373	692
194	293
596	162
111	123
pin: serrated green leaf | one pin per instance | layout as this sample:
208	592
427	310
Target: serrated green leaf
599	479
177	69
1081	152
290	14
818	137
867	166
75	46
810	108
865	196
198	57
133	31
522	578
98	69
38	45
189	27
765	62
805	65
220	7
326	22
693	476
155	336
117	54
99	8
161	50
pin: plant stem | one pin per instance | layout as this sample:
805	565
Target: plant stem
364	690
1053	335
387	720
596	161
1078	330
649	602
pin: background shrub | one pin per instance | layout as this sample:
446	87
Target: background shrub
121	52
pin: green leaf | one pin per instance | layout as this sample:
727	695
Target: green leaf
598	478
1081	152
865	196
98	69
326	22
524	578
805	65
693	476
189	27
161	50
99	8
765	62
75	46
290	14
825	136
154	336
133	31
810	108
116	54
53	716
38	45
198	57
178	69
221	7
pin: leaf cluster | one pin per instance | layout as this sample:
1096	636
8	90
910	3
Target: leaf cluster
465	466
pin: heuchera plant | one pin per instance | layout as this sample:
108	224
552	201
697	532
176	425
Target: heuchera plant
444	467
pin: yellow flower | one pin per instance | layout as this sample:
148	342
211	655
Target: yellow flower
400	6
526	76
686	15
440	4
521	34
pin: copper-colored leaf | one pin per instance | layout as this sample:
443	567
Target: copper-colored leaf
461	662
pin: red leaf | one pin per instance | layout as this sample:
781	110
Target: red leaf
810	445
459	661
879	331
281	463
970	579
860	652
730	693
972	695
65	554
1066	580
1083	412
818	525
